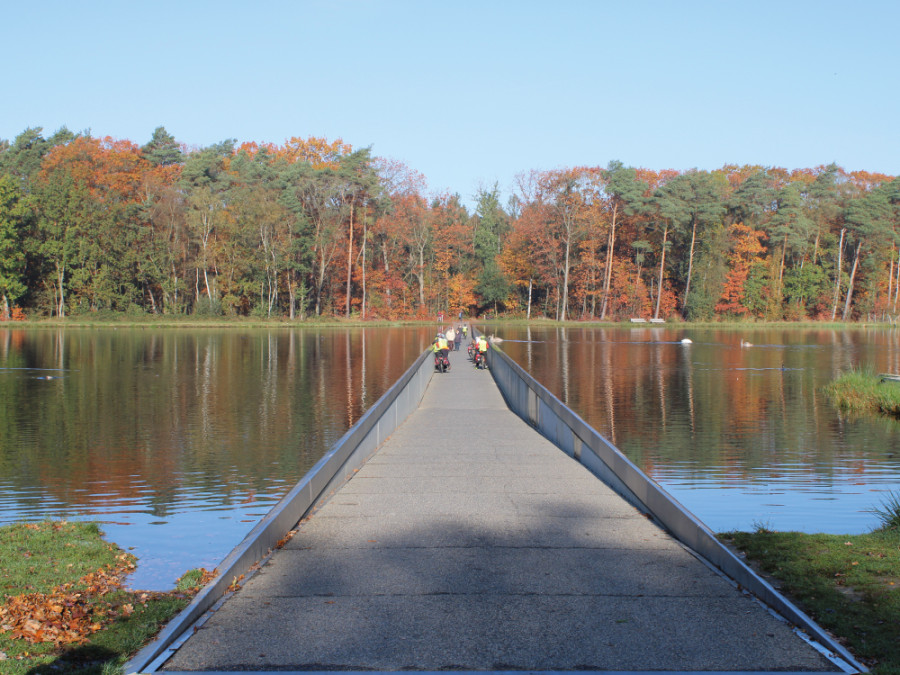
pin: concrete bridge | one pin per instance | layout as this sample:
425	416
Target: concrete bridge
446	532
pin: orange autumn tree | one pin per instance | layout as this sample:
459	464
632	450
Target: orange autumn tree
316	151
518	260
745	253
90	223
453	256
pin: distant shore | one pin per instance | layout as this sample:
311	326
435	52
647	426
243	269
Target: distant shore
126	320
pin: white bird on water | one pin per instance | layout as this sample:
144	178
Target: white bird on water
495	339
744	343
686	341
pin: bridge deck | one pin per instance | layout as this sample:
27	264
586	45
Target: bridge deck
469	542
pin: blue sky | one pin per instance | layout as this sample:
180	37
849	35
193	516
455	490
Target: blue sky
473	93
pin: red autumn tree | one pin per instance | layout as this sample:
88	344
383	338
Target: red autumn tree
746	250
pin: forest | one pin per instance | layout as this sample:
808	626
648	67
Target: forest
315	228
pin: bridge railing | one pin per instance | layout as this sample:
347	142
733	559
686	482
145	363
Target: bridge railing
531	401
336	466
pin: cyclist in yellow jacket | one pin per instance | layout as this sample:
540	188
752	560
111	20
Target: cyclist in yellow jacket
481	347
440	346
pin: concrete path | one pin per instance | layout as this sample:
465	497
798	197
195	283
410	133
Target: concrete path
469	542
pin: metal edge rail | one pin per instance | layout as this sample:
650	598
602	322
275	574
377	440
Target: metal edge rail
531	401
347	454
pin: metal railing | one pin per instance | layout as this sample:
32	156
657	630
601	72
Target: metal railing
336	466
531	401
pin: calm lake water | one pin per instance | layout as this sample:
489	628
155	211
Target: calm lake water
741	435
179	440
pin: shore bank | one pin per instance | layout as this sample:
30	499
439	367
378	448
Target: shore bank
862	392
850	585
62	607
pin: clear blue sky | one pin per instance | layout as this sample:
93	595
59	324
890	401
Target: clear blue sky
472	93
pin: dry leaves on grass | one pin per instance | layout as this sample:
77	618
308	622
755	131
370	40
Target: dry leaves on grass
69	613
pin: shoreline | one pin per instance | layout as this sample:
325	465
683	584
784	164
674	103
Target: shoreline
336	322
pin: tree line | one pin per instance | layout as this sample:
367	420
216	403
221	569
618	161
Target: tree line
317	228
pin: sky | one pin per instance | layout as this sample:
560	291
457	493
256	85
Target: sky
472	94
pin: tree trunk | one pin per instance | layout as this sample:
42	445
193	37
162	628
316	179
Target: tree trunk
292	297
635	305
850	283
662	267
350	260
387	273
607	282
320	282
565	288
528	313
421	278
208	289
837	281
897	288
687	286
781	266
363	246
890	292
60	278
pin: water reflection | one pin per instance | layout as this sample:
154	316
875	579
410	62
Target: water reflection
179	440
740	434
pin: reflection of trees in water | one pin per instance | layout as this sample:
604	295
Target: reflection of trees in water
713	407
149	419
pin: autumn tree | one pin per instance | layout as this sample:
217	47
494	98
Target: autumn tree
521	259
624	196
747	247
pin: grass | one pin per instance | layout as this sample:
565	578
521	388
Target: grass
888	511
62	607
861	391
849	585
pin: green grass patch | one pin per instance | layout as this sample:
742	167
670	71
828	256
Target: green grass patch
850	585
865	392
62	608
888	511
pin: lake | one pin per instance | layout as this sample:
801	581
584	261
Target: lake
741	434
178	440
